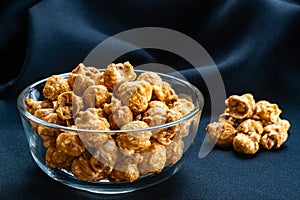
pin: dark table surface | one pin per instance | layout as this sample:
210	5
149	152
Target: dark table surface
255	45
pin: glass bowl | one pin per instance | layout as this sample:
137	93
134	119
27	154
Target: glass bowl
174	154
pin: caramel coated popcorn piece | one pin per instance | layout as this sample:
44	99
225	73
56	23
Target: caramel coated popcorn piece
91	120
82	169
252	128
115	73
70	144
32	105
131	142
49	115
90	72
243	144
56	158
225	117
223	133
183	106
125	172
155	80
249	126
92	140
275	134
267	112
115	104
81	83
68	105
120	117
156	114
126	168
154	159
48	135
43	112
169	96
135	95
54	86
118	114
105	156
96	96
165	136
82	77
241	107
174	152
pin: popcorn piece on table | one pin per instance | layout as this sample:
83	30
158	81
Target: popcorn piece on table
221	132
275	134
241	107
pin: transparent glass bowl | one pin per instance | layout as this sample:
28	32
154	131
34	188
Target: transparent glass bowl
188	126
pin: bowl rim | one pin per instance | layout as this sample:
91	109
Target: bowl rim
24	93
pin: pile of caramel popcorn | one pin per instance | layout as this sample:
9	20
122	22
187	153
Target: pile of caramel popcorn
247	125
116	99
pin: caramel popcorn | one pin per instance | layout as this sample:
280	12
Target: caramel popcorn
118	115
155	80
240	107
246	125
90	119
156	114
223	133
243	144
132	142
48	135
70	144
92	140
165	136
135	95
82	77
226	117
154	159
82	169
174	152
95	96
54	86
275	134
68	105
32	105
267	112
56	158
183	106
48	140
105	156
115	99
116	73
49	115
126	168
169	96
125	172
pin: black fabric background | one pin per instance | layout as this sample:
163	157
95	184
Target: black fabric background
255	45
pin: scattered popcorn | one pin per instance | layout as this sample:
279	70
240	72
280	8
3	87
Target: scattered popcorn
247	125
